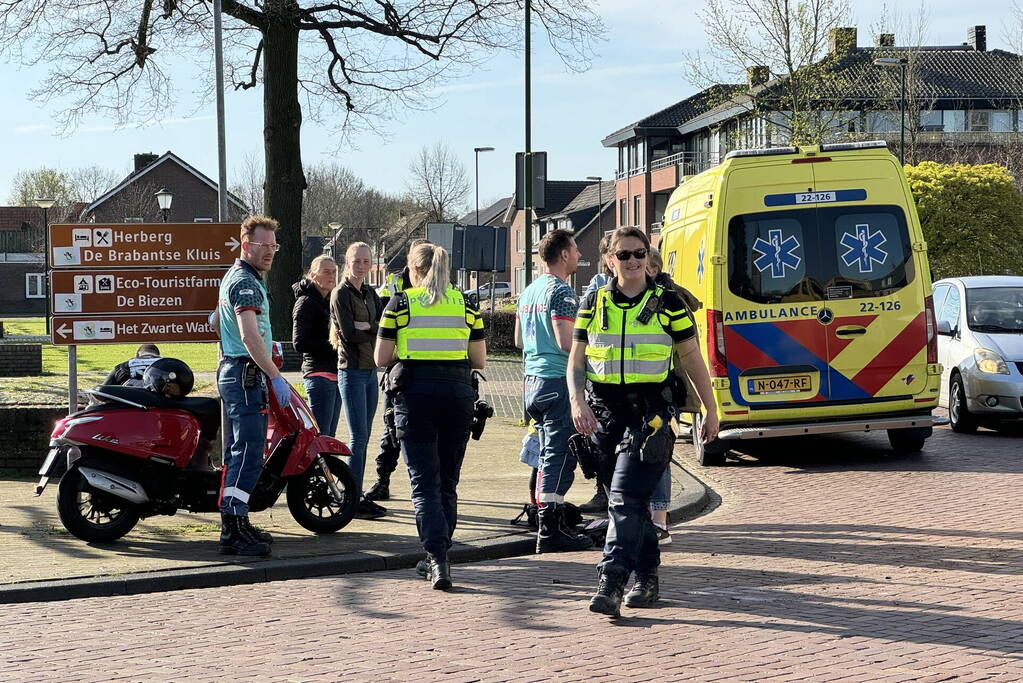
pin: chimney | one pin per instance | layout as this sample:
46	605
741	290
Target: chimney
143	160
977	38
842	41
884	40
757	75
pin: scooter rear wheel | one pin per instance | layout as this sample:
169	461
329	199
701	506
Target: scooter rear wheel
312	501
91	515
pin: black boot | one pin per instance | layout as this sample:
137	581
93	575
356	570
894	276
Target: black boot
381	490
256	532
645	591
610	587
236	539
553	536
596	504
438	573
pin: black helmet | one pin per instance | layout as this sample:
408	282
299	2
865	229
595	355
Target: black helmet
169	377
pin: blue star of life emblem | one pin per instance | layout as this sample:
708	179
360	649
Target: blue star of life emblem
776	253
863	248
699	262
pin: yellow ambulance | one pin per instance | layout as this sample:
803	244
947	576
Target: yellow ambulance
813	271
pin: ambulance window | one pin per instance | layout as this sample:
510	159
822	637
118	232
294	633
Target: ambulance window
767	260
869	250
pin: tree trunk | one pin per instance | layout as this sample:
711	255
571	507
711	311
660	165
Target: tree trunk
285	181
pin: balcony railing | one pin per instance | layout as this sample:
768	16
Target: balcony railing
689	163
948	139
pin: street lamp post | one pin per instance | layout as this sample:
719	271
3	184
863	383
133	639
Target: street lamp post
902	63
164	197
477	151
45	205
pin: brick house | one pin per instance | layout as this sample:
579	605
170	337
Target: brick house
22	265
573	205
132	200
965	104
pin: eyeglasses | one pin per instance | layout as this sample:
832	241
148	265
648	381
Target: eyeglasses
272	247
625	254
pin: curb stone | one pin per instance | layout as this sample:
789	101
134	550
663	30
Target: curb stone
689	497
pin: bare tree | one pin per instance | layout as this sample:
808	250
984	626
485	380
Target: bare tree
438	180
91	182
135	202
362	59
787	38
248	184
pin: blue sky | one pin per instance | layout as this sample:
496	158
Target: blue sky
638	71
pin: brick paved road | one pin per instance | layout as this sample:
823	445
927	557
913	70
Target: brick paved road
826	560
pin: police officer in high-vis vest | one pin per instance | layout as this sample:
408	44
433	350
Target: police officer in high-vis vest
387	459
437	340
619	384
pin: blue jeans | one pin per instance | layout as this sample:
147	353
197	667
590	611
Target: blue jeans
661	498
433	419
325	402
245	437
547	403
359	395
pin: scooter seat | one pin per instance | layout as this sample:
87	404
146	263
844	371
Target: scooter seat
206	410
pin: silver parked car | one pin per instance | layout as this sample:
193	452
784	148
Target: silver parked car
980	345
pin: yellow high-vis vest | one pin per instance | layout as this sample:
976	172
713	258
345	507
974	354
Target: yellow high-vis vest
437	332
392	285
622	350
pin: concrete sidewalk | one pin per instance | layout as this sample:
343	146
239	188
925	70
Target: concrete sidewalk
41	561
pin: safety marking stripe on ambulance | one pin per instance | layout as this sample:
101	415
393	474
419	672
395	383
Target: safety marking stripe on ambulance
894	357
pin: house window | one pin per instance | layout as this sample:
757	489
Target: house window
623	212
932	121
635	212
955	120
1001	122
133	219
203	220
518	241
980	121
520	279
34	286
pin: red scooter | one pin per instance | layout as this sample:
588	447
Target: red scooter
128	457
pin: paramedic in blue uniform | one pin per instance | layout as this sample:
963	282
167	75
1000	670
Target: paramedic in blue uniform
243	315
619	371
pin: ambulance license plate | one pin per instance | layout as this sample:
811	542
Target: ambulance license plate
779	385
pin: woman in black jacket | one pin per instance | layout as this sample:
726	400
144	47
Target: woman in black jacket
310	333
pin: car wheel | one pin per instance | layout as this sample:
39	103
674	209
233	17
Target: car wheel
906	441
963	421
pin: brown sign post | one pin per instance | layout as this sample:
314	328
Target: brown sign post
135	291
143	245
125	329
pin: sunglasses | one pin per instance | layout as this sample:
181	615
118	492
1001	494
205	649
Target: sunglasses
624	254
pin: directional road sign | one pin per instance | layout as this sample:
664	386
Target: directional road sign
123	329
143	245
136	291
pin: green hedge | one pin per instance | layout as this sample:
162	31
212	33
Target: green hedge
500	330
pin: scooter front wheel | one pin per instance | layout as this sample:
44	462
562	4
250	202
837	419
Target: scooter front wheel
92	515
320	505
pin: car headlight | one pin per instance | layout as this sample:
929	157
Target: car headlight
990	362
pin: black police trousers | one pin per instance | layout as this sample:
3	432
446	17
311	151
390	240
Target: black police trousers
387	459
433	419
633	457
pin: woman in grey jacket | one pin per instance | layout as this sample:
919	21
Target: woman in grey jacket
355	310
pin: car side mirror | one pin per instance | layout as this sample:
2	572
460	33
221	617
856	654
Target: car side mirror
945	328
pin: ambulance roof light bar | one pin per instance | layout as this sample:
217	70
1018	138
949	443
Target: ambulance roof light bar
765	152
839	146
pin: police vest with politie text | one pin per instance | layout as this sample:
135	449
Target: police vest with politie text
628	345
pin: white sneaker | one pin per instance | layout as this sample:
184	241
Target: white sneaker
663	536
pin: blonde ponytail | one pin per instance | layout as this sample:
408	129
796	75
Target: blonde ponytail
436	264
